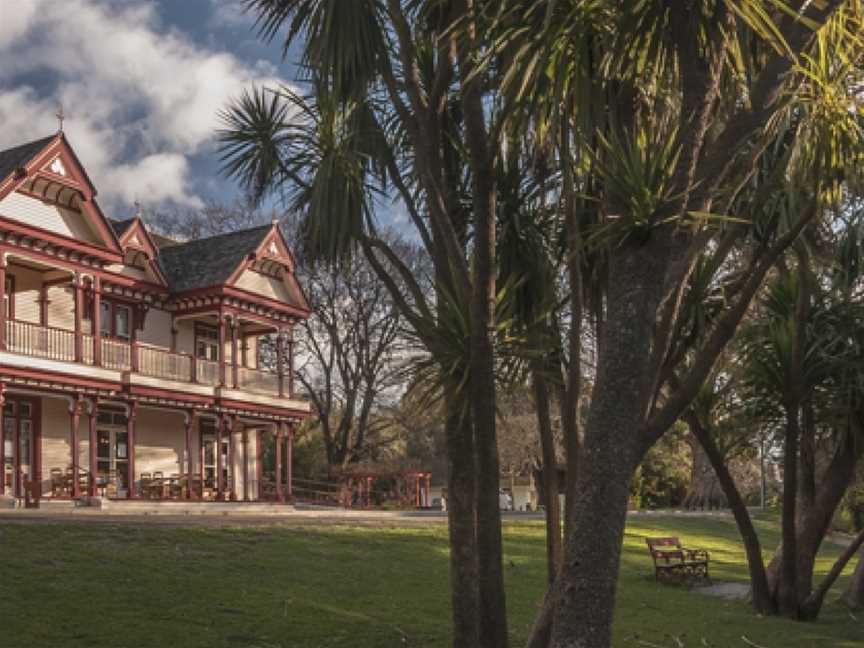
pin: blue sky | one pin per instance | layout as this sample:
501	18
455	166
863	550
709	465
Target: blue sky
141	84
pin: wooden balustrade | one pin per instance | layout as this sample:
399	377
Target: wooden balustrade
156	362
40	341
256	380
116	355
87	347
207	372
52	343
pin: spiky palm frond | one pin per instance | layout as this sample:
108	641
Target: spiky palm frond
344	43
322	156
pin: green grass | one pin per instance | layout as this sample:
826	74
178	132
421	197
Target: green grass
120	585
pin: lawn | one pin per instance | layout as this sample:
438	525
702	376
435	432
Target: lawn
129	585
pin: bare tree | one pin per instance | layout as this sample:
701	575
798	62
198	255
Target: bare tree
213	218
351	354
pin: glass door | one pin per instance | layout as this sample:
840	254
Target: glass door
112	460
25	452
209	460
9	427
18	441
208	447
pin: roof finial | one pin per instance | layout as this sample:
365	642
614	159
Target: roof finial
137	209
60	115
274	218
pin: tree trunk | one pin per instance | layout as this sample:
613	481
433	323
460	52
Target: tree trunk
490	574
572	389
705	490
811	606
814	524
461	515
787	589
550	476
586	583
854	594
760	592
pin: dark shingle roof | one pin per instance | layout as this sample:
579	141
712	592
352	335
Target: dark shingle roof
208	261
16	157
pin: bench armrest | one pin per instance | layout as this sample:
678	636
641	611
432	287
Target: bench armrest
696	554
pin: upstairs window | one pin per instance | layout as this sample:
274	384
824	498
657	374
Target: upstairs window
115	320
206	342
9	298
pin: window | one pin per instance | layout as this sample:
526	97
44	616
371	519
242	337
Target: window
206	342
115	320
122	317
9	298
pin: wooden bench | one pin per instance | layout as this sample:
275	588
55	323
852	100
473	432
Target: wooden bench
674	563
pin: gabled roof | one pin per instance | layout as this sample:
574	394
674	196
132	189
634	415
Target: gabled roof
16	157
209	261
51	162
120	227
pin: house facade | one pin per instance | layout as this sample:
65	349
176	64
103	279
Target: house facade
131	365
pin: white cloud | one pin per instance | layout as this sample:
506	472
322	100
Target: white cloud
229	13
139	98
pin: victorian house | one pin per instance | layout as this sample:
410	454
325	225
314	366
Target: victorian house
131	365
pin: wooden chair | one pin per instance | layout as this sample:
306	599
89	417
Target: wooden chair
146	485
674	563
176	486
83	482
197	486
111	484
57	481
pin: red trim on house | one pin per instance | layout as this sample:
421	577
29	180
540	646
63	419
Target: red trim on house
168	394
15	179
65	379
148	246
60	147
281	412
278	306
22	253
122	281
220	290
31	231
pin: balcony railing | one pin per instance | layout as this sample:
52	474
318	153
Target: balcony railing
207	372
255	380
40	341
34	340
159	363
116	355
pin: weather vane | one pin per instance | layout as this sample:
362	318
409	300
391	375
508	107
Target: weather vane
60	117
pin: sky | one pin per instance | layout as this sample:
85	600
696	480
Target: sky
141	84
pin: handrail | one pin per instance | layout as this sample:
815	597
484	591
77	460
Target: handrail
159	363
207	372
116	355
50	342
40	341
258	380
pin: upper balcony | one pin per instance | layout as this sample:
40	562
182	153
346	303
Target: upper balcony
50	317
141	359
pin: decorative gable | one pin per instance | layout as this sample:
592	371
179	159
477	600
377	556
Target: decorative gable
269	271
274	248
140	252
51	191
